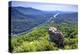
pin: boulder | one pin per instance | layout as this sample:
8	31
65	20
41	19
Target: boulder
56	36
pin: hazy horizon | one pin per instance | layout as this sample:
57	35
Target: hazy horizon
46	6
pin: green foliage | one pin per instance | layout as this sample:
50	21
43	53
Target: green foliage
37	39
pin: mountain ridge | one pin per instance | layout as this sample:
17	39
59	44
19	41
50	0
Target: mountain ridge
23	19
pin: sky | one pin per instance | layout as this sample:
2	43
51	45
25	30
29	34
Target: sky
47	6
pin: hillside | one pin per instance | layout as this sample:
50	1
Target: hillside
29	20
24	19
38	39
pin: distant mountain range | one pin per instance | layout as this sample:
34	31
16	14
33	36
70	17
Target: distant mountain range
25	18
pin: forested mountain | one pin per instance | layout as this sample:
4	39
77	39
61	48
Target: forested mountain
23	19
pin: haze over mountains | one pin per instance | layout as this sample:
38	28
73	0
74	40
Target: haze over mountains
46	6
25	18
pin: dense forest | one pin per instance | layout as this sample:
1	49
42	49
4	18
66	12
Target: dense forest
38	39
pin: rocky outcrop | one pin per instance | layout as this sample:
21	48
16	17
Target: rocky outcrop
56	37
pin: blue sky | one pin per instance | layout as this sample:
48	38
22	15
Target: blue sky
47	6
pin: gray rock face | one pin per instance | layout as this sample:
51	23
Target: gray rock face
56	37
